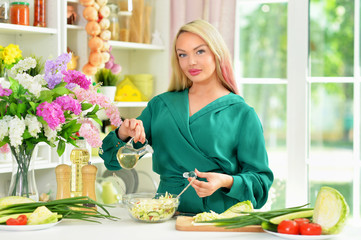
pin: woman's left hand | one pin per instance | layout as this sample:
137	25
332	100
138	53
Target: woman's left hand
214	182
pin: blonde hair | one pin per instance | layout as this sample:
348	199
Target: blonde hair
215	42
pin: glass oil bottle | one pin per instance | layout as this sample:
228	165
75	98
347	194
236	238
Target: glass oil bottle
79	157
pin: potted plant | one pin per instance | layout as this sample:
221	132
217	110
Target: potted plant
108	77
108	82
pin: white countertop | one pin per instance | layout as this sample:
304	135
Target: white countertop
128	229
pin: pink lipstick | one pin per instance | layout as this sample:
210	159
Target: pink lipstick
194	72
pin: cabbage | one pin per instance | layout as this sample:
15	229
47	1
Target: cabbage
5	201
42	215
235	210
330	211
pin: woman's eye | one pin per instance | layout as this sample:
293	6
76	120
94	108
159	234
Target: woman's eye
181	55
200	51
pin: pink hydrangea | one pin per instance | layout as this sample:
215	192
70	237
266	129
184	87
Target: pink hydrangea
5	91
95	98
5	149
113	115
51	113
68	103
90	133
73	78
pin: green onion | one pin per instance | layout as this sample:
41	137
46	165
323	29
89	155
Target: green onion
71	208
254	218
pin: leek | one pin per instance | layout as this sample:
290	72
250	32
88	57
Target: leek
71	208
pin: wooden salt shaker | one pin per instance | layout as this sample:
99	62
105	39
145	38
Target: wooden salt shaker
63	173
88	176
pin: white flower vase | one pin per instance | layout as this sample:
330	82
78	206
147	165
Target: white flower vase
23	177
108	91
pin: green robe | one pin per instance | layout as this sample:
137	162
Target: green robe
225	136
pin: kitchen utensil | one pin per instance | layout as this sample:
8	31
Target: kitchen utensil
129	154
187	175
151	207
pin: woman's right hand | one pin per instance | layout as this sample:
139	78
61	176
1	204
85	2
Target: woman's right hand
132	128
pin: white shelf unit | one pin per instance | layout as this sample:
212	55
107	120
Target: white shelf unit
130	104
49	42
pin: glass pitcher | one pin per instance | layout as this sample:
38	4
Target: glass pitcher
128	155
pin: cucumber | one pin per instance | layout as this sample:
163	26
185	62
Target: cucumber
5	218
290	216
153	214
269	226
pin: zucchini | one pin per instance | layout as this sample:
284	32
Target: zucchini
290	216
269	226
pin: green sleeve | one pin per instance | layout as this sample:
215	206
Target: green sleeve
110	147
255	178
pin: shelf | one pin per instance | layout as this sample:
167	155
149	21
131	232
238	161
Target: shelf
7	28
74	27
135	46
130	104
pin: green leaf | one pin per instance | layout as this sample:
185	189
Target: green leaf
30	146
86	106
61	84
13	109
46	96
33	106
21	108
26	134
61	91
98	121
61	147
14	85
2	108
95	110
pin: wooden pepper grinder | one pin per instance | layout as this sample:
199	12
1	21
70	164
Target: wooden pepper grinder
63	173
89	173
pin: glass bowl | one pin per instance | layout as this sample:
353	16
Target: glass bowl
151	207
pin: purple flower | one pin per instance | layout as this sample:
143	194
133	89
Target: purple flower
73	77
51	113
116	69
53	69
68	103
53	79
5	91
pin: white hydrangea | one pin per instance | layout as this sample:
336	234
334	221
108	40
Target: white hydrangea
34	126
40	79
28	82
22	66
50	133
16	131
4	126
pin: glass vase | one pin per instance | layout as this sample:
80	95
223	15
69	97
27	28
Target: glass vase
23	177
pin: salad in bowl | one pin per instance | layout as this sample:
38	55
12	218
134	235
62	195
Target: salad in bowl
151	207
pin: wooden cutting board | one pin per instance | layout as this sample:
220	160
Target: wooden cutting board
184	223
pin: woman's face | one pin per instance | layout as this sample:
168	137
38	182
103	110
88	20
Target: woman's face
195	58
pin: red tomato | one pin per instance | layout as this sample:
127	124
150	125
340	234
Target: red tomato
310	229
21	220
301	221
288	227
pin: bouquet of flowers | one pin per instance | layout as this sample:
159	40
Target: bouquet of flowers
51	107
8	57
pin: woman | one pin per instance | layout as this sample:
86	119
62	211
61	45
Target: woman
201	124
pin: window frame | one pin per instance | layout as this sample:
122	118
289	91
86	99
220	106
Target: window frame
298	100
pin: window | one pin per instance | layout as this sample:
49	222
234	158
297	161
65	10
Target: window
261	69
298	64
